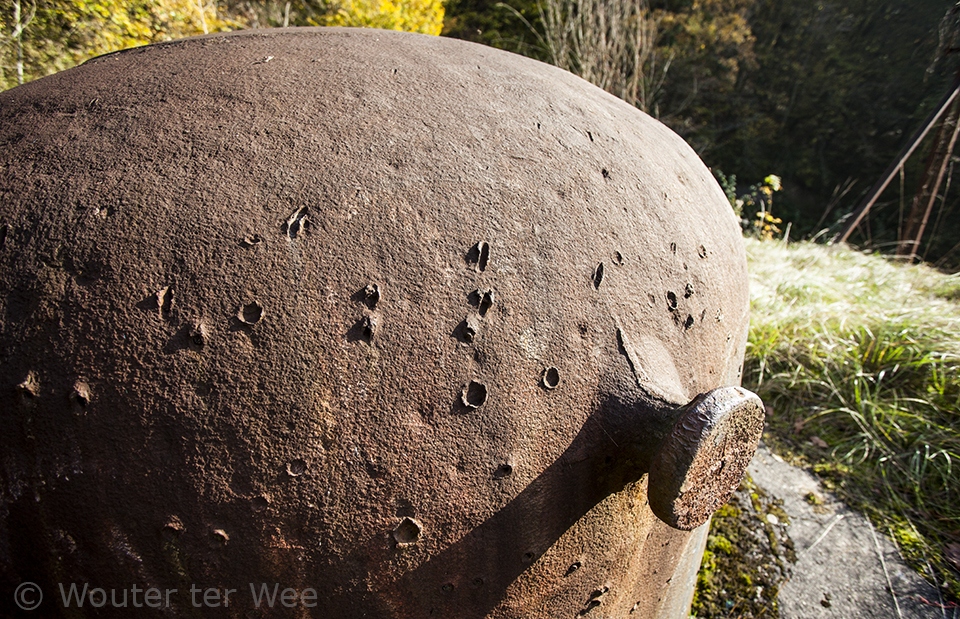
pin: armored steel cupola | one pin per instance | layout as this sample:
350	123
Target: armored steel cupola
365	323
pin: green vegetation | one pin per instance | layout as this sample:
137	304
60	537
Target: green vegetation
40	37
746	560
859	358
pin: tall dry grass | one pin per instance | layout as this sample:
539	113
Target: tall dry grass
859	357
610	43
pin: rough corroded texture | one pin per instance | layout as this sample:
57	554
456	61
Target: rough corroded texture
703	459
283	306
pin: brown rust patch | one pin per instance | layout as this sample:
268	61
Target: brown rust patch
341	171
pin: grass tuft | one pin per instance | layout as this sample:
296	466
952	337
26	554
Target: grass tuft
859	357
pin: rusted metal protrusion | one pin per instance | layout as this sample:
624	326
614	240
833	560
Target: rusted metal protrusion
199	334
367	327
595	599
251	240
470	328
174	526
407	532
296	467
30	386
295	223
250	314
598	276
80	395
671	301
219	537
474	394
371	295
164	298
504	470
551	378
479	256
703	459
483	299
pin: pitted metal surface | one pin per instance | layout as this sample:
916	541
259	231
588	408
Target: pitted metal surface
401	319
703	459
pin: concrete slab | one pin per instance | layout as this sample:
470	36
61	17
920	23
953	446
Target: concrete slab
845	569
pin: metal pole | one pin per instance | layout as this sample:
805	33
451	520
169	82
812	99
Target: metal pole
905	153
936	187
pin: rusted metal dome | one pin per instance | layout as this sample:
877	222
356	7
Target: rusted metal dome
404	321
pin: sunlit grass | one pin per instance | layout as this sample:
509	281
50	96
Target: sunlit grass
862	354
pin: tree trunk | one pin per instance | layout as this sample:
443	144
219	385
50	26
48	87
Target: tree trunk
922	204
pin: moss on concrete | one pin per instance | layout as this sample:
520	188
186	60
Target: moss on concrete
747	558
